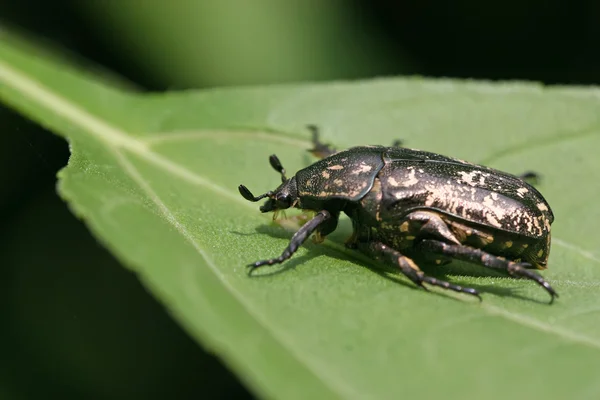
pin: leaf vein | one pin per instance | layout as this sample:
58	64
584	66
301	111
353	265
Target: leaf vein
340	386
165	137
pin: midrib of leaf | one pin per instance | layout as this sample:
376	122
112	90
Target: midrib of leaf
339	387
116	140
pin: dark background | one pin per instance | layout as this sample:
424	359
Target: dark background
74	323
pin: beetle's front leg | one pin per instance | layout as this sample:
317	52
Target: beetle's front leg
388	255
478	256
299	237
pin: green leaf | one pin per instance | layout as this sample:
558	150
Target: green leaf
155	178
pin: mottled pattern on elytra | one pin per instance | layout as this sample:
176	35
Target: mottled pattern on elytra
467	191
399	231
484	208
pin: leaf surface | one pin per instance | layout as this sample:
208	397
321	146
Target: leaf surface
155	178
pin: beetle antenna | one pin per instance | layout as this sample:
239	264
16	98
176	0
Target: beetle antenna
276	164
247	194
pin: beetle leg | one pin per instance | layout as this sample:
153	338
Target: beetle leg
299	237
386	254
352	241
533	178
477	256
320	149
433	225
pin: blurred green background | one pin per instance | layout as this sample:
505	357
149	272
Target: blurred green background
77	325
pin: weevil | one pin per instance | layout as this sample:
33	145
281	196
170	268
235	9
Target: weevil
406	203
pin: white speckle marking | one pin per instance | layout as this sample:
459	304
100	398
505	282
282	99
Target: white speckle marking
467	177
542	207
362	169
335	167
325	174
537	225
546	223
492	220
411	179
487	200
521	192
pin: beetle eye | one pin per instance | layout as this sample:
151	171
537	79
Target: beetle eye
284	201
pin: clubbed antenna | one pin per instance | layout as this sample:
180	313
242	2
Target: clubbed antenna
247	194
276	164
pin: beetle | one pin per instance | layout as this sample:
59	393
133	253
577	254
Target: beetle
406	204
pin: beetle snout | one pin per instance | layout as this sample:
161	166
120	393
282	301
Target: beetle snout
268	206
280	201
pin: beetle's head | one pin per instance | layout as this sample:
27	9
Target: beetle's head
285	196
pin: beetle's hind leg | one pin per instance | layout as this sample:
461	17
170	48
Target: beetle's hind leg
320	149
478	256
388	255
531	177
